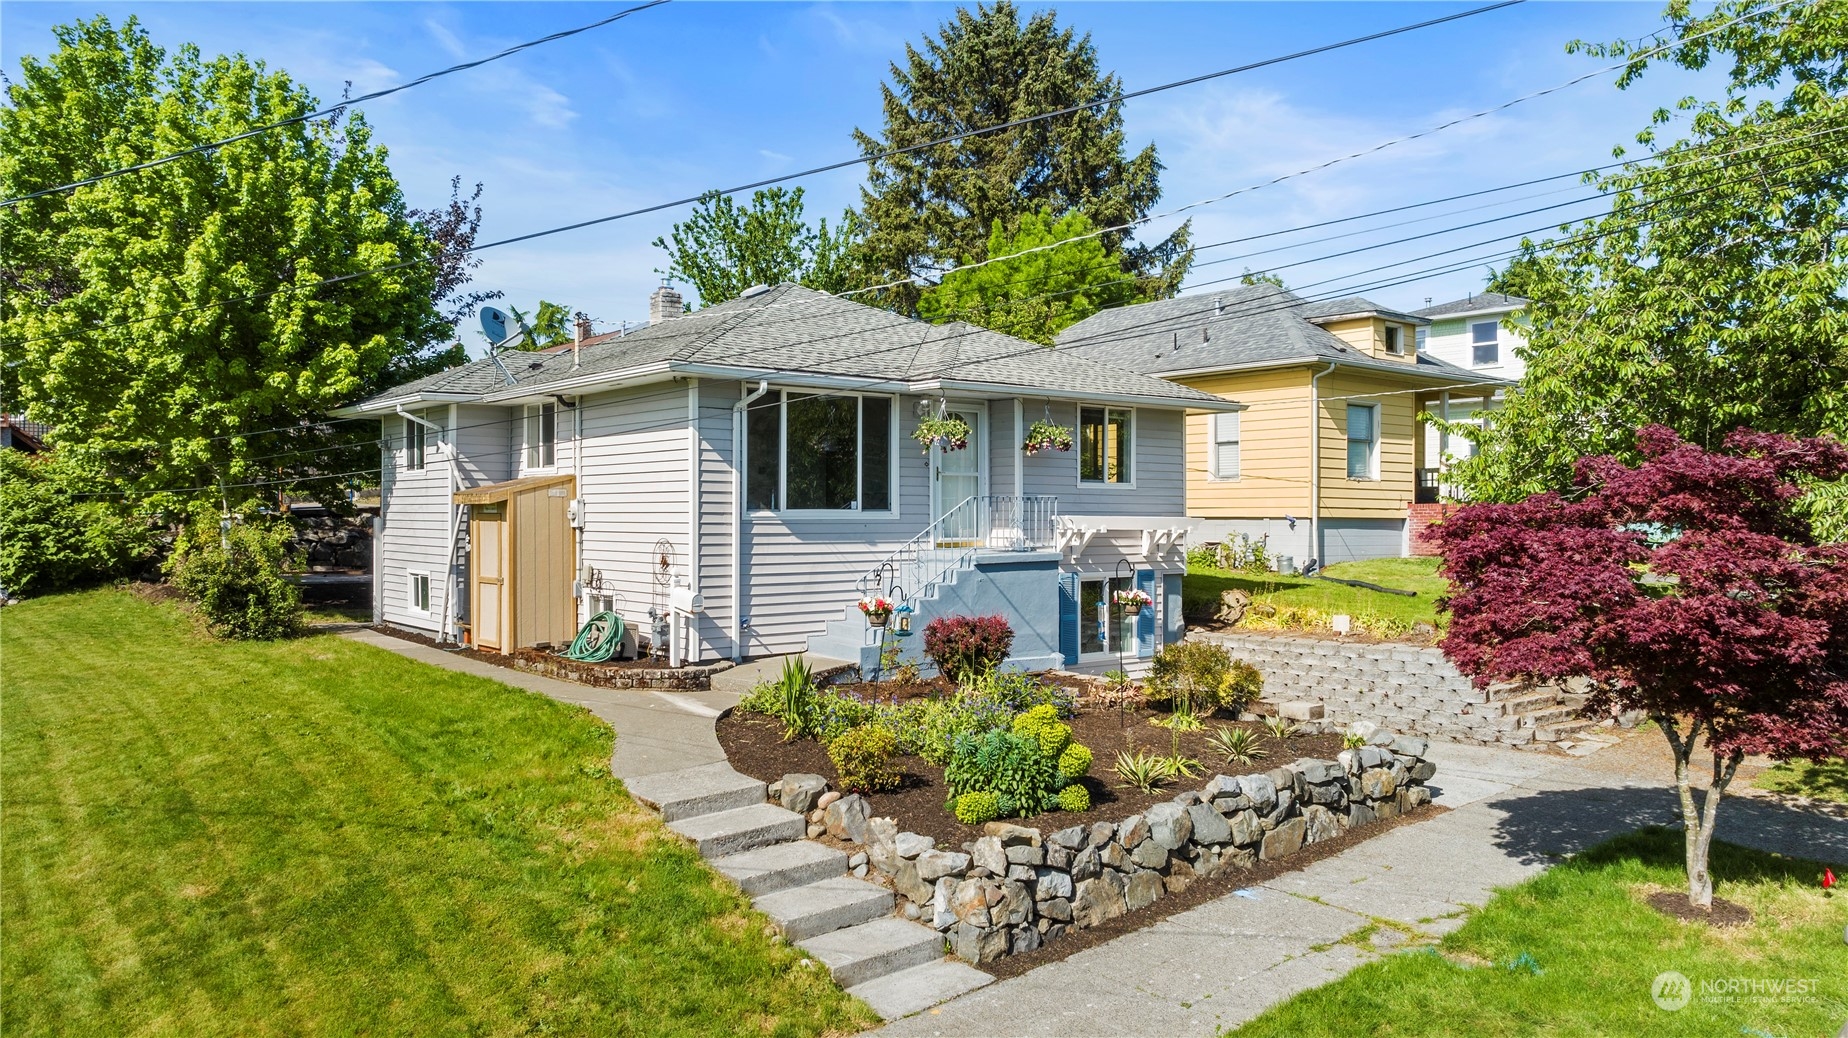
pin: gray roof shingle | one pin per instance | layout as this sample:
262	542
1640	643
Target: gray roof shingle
791	329
1478	303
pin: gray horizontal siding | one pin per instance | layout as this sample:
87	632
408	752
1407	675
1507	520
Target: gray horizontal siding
415	506
635	491
1159	468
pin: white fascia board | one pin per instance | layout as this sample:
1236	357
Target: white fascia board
946	386
389	408
1485	312
1377	368
783	377
581	385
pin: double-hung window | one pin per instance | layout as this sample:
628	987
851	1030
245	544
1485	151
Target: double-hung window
1224	461
541	435
1106	442
1363	436
819	452
1485	343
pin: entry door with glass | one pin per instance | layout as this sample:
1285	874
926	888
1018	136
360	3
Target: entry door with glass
957	476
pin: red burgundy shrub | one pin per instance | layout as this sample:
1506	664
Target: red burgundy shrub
964	647
1689	587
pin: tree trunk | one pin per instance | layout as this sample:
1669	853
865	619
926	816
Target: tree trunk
1697	822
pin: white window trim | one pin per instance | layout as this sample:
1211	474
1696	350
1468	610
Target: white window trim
1386	343
1373	475
526	446
410	593
859	447
1469	340
1135	466
417	442
1212	446
1127	650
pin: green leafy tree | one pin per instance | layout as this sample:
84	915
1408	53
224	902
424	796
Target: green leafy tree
61	528
1054	275
550	324
725	248
1714	295
934	208
161	320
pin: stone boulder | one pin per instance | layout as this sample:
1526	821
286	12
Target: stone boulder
988	854
1098	900
933	865
799	791
1169	825
882	844
1209	826
1142	890
846	818
1322	824
910	845
1284	840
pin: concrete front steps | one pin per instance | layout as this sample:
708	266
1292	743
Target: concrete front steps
896	966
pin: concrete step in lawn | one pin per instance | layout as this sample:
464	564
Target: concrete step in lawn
1562	729
690	792
824	906
916	989
868	951
780	866
1551	715
740	829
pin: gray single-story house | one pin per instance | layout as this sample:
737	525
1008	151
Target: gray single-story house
732	480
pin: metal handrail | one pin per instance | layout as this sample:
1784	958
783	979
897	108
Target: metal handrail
990	522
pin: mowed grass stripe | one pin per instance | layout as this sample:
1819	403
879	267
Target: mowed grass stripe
318	837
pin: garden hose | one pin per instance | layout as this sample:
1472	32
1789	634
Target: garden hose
599	639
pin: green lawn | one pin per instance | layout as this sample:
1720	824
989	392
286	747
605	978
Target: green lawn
1575	950
1825	781
317	837
1203	585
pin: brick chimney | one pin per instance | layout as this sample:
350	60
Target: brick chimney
664	304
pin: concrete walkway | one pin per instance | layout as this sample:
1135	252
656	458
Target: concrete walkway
1221	964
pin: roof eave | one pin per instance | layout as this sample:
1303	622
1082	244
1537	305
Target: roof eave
390	405
1203	403
579	385
1483	312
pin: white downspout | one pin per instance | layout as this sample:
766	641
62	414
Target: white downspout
737	570
690	644
1315	461
580	613
378	526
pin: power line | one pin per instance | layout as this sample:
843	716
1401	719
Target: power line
199	149
827	167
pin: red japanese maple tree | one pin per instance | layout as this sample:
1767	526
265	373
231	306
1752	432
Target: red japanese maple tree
1687	587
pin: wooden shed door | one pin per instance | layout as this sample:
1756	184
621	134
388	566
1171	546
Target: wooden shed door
487	538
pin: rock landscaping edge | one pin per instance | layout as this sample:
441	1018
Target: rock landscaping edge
1018	887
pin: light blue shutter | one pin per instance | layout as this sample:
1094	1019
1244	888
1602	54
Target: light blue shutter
1173	629
1068	617
1145	623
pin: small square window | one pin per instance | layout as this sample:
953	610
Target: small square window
420	592
1395	340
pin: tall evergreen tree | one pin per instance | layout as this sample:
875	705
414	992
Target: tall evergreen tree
932	209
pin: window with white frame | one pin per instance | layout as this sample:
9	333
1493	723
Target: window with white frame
1395	340
1106	442
541	435
1363	436
420	593
416	444
1418	339
1224	462
820	452
1101	624
1485	343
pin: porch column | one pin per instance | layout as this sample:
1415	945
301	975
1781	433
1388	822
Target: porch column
1443	432
1020	457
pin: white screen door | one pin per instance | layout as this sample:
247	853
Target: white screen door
956	476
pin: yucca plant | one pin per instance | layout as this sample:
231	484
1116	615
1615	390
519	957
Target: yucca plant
1353	741
1240	745
1181	767
1183	719
1142	770
1279	728
793	697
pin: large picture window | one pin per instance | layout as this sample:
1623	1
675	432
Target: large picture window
1105	444
1363	435
819	452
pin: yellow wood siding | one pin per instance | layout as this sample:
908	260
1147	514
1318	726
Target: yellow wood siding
1387	496
1273	447
1368	335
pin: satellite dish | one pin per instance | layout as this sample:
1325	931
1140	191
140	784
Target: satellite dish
494	324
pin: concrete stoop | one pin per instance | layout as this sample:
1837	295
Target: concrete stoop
895	966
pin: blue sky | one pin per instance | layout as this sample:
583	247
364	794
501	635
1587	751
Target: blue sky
697	95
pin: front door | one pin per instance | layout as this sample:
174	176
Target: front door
487	539
957	476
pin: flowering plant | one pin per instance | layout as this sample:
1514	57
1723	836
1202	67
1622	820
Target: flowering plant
1046	436
1134	596
875	605
951	433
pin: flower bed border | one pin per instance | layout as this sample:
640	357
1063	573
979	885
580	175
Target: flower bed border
1018	887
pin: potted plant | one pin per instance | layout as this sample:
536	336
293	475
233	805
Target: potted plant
877	608
950	433
1047	436
1132	600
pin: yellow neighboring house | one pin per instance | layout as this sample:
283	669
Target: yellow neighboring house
1341	380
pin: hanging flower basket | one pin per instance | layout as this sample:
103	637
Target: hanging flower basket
952	434
1133	600
1046	436
877	608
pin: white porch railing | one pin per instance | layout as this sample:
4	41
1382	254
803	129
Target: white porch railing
995	522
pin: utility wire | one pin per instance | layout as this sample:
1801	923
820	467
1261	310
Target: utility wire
199	149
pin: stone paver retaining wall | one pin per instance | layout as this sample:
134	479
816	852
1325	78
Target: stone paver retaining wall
1018	887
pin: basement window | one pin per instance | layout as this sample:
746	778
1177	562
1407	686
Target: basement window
420	593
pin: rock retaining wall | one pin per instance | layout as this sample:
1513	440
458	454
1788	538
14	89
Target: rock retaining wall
1405	688
1018	887
693	677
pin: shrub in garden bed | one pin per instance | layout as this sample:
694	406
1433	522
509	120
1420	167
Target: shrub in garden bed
967	647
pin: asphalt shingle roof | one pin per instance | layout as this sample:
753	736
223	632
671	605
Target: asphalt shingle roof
1475	304
1248	326
791	329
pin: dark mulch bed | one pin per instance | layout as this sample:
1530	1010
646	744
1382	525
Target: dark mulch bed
1723	913
1198	893
755	746
509	660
